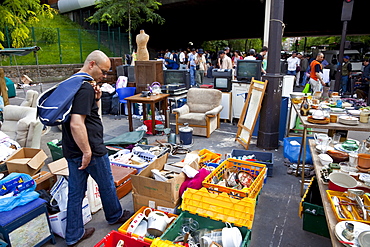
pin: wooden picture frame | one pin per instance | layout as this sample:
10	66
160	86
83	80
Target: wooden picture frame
250	112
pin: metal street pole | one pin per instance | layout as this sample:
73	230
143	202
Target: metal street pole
268	133
346	16
338	75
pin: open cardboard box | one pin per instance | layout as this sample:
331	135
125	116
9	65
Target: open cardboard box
26	160
143	183
59	167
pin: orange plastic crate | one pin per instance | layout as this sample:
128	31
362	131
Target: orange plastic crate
207	156
258	171
349	215
124	227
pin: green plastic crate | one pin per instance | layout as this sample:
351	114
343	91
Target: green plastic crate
313	211
173	231
56	151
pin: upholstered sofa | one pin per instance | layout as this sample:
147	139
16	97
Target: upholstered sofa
201	112
21	124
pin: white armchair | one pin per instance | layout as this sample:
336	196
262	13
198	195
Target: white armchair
31	98
21	124
202	111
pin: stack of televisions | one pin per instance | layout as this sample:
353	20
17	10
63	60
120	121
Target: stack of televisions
213	207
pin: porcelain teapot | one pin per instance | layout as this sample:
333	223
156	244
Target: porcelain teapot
157	223
318	114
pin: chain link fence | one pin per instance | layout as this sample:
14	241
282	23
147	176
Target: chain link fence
68	46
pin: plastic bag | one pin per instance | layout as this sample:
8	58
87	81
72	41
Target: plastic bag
291	151
59	193
17	189
307	88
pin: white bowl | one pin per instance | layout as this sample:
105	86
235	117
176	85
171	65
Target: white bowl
325	159
296	95
319	147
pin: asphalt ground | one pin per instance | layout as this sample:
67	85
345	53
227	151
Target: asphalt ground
276	220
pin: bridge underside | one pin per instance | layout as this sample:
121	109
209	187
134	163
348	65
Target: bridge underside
199	20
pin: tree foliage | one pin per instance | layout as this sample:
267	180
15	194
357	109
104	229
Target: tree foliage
17	16
333	42
129	13
234	44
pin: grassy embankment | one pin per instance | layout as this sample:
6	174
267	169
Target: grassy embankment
73	39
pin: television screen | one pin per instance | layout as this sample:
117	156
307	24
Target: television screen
224	84
221	83
246	69
176	77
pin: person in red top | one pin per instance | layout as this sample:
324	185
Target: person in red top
236	57
316	79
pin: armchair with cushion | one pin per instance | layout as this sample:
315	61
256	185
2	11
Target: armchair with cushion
202	111
21	125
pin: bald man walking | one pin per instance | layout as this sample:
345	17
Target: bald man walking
84	149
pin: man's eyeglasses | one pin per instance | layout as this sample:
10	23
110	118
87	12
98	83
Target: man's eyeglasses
102	71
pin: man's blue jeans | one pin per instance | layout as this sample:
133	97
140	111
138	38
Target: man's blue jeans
343	83
192	75
100	171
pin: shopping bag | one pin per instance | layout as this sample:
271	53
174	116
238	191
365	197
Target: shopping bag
59	194
307	88
291	151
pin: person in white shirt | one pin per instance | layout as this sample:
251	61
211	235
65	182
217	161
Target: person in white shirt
293	63
251	56
192	62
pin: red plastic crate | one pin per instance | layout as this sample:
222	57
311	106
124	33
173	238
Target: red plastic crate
113	237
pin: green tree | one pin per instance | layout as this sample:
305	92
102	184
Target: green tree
17	16
130	13
234	44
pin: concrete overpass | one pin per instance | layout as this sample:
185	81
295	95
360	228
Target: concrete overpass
199	20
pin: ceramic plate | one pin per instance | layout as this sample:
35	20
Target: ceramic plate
340	148
364	239
354	112
337	110
358	229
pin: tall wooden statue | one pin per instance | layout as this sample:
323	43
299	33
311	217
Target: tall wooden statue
141	41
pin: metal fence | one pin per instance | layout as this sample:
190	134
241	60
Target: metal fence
69	46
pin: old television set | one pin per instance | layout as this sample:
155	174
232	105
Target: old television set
177	76
222	83
248	69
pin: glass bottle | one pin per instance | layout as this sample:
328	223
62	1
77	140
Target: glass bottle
305	106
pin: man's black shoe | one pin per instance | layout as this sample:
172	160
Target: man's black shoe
125	216
88	233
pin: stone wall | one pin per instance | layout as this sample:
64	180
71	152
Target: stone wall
48	73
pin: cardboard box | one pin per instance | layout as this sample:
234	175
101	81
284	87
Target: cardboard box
143	183
59	167
44	180
165	206
58	222
26	160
